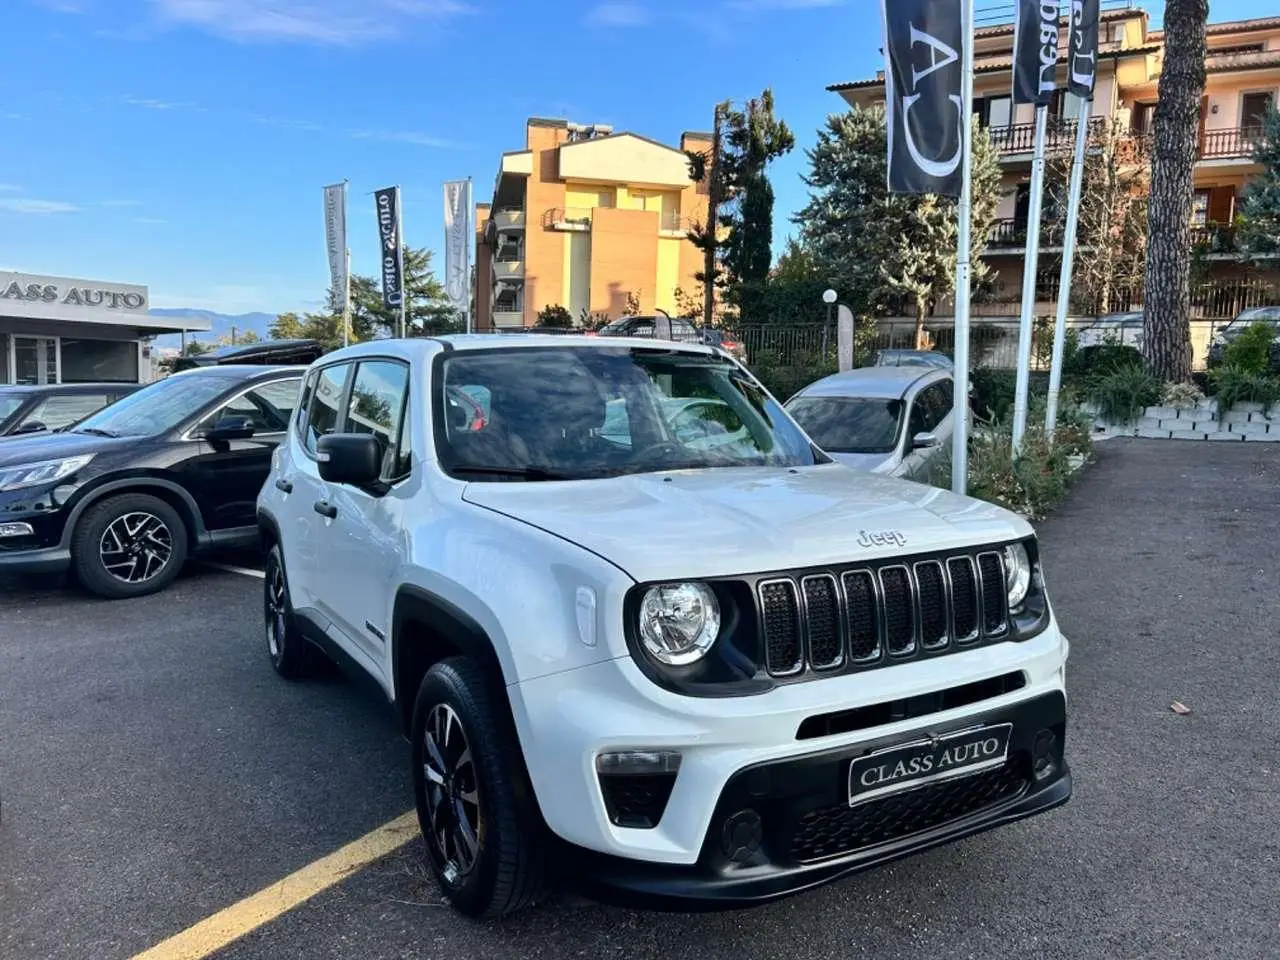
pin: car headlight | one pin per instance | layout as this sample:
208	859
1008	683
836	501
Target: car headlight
1017	574
679	622
45	471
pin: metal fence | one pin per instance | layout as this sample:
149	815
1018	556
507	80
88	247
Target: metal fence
993	341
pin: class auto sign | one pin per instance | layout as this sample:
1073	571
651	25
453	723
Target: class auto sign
75	296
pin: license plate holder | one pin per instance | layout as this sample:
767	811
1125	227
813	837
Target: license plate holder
917	763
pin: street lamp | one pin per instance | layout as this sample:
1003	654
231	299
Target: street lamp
829	297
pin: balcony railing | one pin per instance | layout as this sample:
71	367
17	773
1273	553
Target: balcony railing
568	218
1021	137
1237	144
1214	237
1010	232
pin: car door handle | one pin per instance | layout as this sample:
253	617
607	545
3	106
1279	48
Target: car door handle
325	509
284	485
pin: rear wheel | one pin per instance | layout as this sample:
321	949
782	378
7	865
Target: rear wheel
129	546
481	832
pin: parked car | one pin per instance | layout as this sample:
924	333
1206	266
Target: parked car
1122	328
1247	318
651	670
646	326
913	358
888	420
32	409
123	497
266	352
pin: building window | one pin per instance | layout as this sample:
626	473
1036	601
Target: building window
1254	108
35	360
99	361
1200	208
1143	116
4	358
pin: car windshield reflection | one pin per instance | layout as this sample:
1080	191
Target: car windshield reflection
579	413
155	408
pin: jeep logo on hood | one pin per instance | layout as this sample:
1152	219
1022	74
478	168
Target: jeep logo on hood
881	538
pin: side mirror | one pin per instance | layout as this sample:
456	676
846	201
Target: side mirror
354	459
923	441
31	426
231	428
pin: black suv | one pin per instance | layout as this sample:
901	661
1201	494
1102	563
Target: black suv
123	497
32	409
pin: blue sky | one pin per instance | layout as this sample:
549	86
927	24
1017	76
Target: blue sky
184	143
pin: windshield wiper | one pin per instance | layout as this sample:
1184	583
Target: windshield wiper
97	432
524	473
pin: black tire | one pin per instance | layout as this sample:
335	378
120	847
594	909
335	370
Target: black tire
506	874
290	653
163	535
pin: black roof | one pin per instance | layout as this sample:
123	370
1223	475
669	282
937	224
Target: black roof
65	388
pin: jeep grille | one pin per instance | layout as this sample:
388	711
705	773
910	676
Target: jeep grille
873	615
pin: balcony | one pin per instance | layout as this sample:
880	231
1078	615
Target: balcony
508	268
1009	235
1214	239
1237	144
1020	138
575	219
511	218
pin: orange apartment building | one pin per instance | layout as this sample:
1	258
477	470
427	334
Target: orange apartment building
587	219
1243	79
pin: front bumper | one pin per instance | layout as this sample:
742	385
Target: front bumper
565	720
42	550
785	827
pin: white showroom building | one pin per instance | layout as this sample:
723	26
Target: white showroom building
65	330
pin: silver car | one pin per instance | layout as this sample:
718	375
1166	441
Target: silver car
894	421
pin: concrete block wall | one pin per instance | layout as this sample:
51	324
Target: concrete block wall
1245	422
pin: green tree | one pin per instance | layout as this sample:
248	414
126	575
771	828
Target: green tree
1260	202
1166	335
885	247
555	316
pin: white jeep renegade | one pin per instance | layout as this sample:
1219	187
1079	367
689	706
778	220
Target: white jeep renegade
642	634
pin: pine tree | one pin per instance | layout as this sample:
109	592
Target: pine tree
1260	202
1166	340
881	245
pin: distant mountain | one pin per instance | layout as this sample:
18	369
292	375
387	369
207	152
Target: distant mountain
221	324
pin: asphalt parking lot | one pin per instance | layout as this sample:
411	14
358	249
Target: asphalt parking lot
153	771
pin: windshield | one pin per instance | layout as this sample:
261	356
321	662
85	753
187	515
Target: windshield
850	424
1267	315
155	408
579	413
9	404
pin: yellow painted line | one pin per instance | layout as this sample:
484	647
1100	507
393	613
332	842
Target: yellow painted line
215	932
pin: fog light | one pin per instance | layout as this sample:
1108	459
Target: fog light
741	836
1043	762
16	530
637	762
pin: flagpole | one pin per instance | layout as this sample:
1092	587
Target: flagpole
471	242
960	400
404	284
1068	261
1029	283
346	304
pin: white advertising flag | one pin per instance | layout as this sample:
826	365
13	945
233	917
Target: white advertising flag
335	238
457	245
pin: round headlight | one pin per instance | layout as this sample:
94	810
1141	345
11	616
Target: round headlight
679	622
1017	573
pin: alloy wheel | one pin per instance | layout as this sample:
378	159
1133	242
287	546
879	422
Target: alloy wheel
136	547
275	610
453	799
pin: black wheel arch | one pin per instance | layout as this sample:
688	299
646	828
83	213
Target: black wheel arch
171	493
268	531
426	629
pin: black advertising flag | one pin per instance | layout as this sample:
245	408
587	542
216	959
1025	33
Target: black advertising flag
923	48
1082	49
1035	51
392	253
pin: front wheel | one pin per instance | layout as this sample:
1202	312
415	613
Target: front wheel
129	546
290	654
481	832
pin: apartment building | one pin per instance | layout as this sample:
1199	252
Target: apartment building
1243	79
587	219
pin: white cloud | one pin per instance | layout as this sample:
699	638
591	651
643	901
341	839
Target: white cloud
152	103
36	207
619	13
763	6
10	188
408	136
120	203
149	220
326	22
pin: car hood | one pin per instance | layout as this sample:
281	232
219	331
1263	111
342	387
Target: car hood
726	521
870	462
16	451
